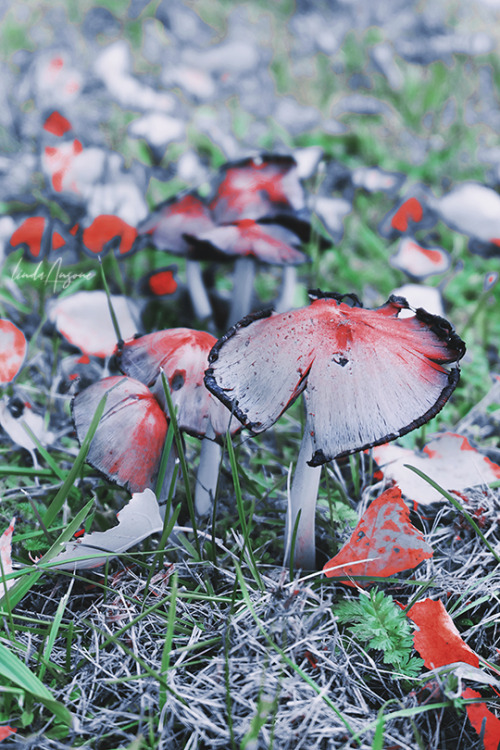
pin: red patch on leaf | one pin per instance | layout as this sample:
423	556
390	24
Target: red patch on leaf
56	124
12	350
437	640
479	716
410	209
6	731
106	228
30	233
385	534
162	283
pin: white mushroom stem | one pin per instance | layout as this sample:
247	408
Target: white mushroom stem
243	278
287	291
302	498
197	292
208	474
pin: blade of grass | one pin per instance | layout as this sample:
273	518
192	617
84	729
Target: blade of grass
14	670
61	496
241	512
28	579
169	637
114	319
54	629
457	505
182	459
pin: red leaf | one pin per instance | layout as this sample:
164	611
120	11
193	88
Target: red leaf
384	532
410	209
6	731
420	261
479	713
449	459
437	640
106	228
57	124
12	350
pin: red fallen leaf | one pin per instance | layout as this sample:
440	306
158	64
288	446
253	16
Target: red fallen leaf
419	261
384	533
410	209
85	321
6	731
129	439
479	716
57	124
257	187
106	228
449	459
57	160
12	350
490	280
30	234
162	282
437	640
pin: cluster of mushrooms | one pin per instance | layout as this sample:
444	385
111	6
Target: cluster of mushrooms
367	376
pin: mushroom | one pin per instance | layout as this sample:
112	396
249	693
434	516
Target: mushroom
167	226
250	242
13	348
367	378
128	443
182	354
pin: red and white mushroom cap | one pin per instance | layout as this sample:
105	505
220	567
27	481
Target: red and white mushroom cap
173	219
12	350
129	439
261	186
367	375
268	243
182	353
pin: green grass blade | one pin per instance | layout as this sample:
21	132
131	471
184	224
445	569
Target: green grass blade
73	473
457	505
241	513
169	637
182	459
14	670
114	319
54	629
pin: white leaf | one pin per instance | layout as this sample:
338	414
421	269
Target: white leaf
139	519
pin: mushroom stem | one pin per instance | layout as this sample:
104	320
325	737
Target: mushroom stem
243	278
197	292
287	291
303	496
208	473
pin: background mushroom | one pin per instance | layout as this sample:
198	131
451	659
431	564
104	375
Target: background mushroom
182	354
250	242
367	376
